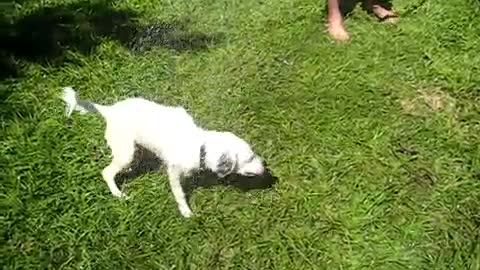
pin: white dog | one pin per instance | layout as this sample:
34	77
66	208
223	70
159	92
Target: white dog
173	136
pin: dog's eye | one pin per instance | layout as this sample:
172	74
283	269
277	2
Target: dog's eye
250	159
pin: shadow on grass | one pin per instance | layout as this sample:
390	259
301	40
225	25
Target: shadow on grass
8	109
145	162
45	34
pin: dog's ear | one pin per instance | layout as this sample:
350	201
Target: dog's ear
225	165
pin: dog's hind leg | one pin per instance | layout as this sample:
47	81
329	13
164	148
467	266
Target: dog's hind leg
123	149
174	175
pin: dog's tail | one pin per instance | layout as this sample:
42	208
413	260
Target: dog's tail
83	106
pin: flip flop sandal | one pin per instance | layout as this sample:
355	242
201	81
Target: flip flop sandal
387	17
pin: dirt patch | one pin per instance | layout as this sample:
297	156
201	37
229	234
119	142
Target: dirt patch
431	100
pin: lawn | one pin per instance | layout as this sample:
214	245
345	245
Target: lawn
375	142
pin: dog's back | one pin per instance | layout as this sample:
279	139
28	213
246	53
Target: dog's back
165	130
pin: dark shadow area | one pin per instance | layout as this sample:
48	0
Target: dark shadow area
173	36
240	182
145	162
347	6
7	109
45	34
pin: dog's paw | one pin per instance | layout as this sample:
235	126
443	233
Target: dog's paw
120	195
186	212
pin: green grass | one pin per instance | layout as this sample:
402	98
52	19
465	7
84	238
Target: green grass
376	142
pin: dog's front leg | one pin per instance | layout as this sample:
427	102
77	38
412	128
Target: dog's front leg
174	175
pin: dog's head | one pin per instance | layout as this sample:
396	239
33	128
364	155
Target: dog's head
228	154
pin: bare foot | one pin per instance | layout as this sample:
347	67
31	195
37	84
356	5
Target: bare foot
382	13
337	31
335	21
